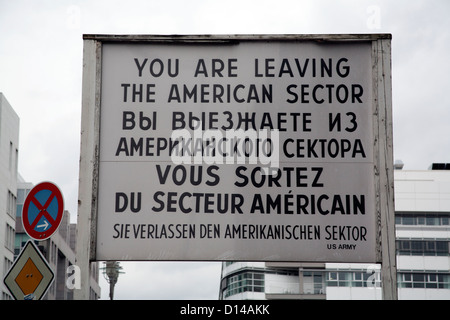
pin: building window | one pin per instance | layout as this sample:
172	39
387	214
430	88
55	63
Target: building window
11	148
406	247
422	280
339	279
16	163
422	219
6	296
357	279
9	237
313	282
7	264
21	196
244	282
11	205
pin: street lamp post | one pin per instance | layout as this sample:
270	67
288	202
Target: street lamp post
111	273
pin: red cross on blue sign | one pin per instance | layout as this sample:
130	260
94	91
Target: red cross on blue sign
42	211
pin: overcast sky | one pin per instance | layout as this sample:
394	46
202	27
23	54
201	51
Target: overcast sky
40	75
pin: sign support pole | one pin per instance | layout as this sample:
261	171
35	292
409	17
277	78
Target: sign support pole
384	167
87	192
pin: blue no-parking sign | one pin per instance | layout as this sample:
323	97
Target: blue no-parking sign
42	211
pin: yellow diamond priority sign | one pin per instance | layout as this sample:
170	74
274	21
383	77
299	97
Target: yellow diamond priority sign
30	276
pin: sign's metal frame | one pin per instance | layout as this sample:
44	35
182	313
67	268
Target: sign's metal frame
382	132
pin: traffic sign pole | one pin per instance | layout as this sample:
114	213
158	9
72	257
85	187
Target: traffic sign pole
88	182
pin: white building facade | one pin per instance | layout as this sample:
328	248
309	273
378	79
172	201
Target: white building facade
423	233
422	216
9	151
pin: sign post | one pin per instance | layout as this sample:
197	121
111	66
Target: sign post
383	166
240	148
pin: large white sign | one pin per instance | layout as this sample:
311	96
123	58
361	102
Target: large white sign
241	150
